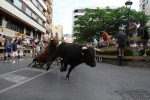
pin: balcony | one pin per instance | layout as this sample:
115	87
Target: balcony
50	2
48	29
49	20
49	9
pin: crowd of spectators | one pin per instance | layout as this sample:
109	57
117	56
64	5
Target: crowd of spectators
121	38
16	45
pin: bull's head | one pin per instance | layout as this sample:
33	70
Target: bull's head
89	56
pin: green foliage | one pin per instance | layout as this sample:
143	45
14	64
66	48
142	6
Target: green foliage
94	21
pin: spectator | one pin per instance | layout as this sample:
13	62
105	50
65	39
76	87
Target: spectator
133	28
105	37
38	49
101	40
21	49
95	42
143	39
44	46
3	38
121	38
2	43
8	51
19	40
14	53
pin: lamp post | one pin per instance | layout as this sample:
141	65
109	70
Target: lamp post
128	4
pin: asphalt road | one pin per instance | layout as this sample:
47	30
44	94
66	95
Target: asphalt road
103	82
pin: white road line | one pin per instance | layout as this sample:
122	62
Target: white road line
15	85
35	69
14	78
13	71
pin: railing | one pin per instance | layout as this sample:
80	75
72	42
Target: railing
101	52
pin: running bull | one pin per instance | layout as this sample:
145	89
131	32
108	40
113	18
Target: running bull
73	54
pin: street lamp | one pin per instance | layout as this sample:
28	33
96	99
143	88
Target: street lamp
128	4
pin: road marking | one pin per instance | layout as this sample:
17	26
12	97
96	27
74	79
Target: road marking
14	78
15	85
35	69
12	72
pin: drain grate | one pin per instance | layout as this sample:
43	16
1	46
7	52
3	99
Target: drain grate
134	94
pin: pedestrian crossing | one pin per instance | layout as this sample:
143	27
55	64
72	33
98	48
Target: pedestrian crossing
20	79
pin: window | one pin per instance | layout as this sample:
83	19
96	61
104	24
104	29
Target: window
40	8
39	36
34	16
56	35
18	4
13	26
10	1
28	32
28	11
35	2
34	34
40	21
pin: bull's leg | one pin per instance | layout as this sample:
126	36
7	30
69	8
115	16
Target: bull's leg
69	71
63	66
31	63
49	64
58	64
34	64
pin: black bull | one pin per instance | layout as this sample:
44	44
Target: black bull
73	54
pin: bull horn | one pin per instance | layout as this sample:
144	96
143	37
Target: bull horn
84	48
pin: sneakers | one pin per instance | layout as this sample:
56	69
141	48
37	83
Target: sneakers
13	62
21	59
145	55
140	49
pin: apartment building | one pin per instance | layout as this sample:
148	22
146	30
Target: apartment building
57	31
30	17
144	5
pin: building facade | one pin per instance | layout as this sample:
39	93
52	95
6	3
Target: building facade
68	38
57	31
144	5
30	17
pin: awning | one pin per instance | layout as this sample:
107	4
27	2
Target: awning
20	34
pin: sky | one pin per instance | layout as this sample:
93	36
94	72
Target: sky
62	10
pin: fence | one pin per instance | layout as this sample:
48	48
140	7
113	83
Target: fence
112	52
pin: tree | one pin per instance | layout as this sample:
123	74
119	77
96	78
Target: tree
94	21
